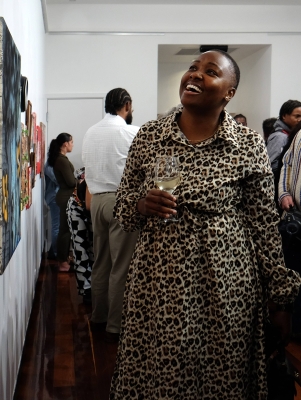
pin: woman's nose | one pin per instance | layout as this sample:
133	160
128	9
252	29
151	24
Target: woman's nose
196	74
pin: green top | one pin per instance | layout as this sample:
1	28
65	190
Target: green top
64	173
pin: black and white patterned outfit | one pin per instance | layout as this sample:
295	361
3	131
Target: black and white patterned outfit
80	227
195	303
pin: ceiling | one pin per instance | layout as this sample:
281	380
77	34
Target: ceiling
169	53
180	2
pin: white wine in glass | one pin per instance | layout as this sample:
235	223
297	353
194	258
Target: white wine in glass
167	176
169	184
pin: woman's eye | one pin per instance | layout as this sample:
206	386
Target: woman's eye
192	68
212	72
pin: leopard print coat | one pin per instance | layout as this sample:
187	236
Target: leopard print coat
196	297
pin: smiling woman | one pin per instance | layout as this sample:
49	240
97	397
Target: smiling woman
196	300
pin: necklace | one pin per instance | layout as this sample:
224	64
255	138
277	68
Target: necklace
193	142
198	141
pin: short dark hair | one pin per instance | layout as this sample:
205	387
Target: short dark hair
240	116
235	67
288	107
268	126
116	99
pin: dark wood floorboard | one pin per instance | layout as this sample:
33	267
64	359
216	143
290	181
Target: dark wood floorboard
62	359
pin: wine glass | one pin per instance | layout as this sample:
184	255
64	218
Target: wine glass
167	177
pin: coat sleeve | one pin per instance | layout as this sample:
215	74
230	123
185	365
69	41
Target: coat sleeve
274	148
261	218
285	176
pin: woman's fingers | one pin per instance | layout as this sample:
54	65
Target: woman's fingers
157	202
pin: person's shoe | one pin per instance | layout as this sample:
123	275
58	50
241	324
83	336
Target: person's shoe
112	337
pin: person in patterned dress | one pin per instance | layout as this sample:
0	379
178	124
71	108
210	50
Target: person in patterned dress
198	290
80	226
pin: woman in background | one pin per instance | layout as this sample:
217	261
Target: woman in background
80	226
64	173
50	192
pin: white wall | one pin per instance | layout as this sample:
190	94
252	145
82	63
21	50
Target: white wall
183	18
98	63
107	55
169	77
24	20
253	97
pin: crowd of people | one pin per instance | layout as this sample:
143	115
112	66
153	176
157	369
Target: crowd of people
189	301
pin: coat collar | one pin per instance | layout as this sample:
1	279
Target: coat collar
227	130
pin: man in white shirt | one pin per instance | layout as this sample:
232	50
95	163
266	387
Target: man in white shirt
105	149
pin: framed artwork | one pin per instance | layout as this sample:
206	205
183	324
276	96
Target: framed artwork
28	121
38	149
29	174
34	127
32	161
10	144
24	166
43	150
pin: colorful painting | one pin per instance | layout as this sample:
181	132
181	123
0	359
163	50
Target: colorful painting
29	173
43	130
32	161
34	128
28	121
38	149
10	144
24	167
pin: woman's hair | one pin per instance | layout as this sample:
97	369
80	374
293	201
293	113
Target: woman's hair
81	190
55	147
268	126
235	67
116	99
288	107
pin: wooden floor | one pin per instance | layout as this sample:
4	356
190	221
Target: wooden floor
62	358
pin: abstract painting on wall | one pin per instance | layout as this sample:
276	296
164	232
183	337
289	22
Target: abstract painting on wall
38	149
24	167
43	130
10	146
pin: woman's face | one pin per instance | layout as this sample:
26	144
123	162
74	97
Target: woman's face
208	83
69	145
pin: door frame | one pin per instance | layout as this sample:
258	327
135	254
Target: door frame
71	96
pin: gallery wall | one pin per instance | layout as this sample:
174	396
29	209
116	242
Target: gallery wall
154	87
25	23
103	57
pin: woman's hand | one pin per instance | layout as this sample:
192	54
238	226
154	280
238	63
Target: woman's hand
286	202
157	202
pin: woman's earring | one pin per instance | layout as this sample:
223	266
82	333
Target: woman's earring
227	98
